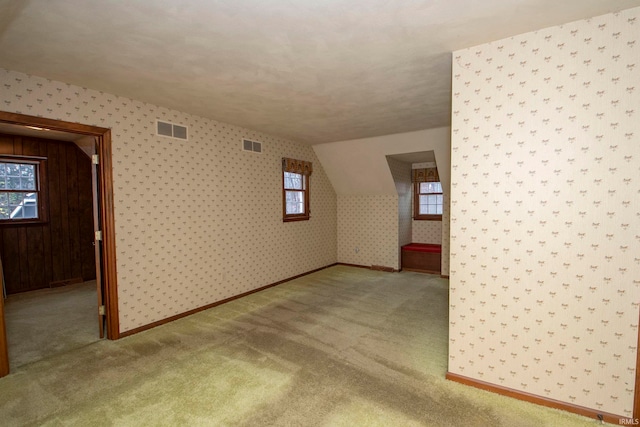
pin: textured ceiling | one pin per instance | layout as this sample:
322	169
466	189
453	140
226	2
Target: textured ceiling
310	70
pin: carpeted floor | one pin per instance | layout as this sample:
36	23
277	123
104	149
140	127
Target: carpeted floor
47	322
340	347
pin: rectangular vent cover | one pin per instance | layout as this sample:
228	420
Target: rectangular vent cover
254	146
171	130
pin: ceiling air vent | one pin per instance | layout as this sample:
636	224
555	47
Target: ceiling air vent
171	130
254	146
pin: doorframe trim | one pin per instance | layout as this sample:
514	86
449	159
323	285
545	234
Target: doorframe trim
105	177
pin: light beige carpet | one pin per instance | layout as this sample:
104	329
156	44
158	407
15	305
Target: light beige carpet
340	347
48	322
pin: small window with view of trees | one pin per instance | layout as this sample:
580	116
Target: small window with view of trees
295	188
21	196
427	195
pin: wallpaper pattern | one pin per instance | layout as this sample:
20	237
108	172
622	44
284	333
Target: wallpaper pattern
368	230
427	231
197	221
545	212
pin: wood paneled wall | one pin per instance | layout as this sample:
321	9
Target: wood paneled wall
34	255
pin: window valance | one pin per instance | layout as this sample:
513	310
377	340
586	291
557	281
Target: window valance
425	175
297	166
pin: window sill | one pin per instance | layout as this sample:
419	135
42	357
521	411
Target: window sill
295	218
428	218
19	223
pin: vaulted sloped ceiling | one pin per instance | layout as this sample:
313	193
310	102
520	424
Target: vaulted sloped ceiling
359	167
313	71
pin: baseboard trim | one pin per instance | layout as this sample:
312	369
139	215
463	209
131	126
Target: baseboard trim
539	400
215	304
419	270
383	268
370	267
444	276
353	265
65	282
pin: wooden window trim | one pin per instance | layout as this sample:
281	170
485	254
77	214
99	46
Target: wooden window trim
41	189
416	206
296	217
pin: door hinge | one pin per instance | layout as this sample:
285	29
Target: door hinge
98	235
101	310
95	159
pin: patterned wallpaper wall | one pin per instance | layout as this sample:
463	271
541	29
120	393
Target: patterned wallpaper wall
427	232
197	221
368	230
545	212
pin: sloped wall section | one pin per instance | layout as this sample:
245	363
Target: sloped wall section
360	174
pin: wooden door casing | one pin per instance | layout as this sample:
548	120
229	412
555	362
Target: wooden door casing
59	250
105	195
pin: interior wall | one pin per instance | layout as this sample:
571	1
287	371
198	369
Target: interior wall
197	221
436	232
545	212
368	230
401	173
34	255
427	231
360	174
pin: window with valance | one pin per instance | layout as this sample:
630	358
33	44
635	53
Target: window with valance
295	189
427	194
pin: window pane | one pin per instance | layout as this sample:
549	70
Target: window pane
27	171
20	206
13	183
294	196
430	187
430	204
19	177
13	169
4	206
15	198
294	202
293	181
30	207
22	202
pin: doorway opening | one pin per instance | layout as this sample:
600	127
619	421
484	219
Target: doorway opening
102	188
